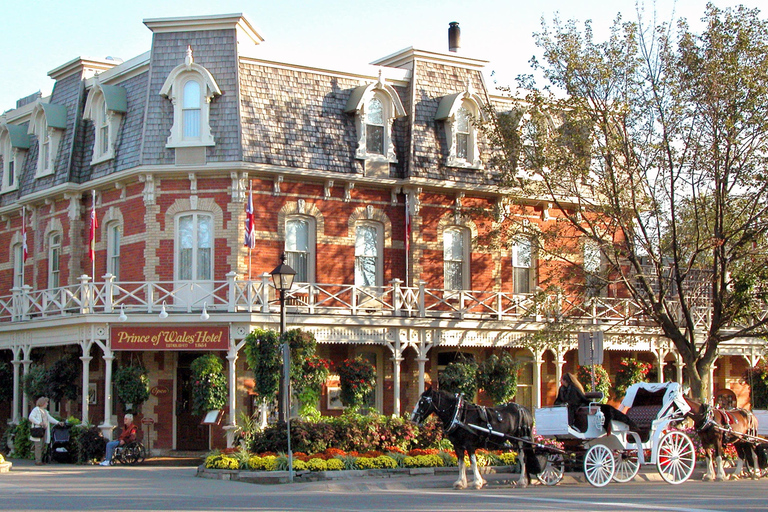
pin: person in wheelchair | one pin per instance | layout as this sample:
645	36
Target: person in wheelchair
128	435
571	393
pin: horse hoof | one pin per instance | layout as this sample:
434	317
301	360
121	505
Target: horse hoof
478	485
459	486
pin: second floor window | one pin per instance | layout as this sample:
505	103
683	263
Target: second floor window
113	249
523	265
54	256
455	259
194	247
367	257
298	248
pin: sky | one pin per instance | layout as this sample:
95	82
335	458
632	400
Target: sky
337	34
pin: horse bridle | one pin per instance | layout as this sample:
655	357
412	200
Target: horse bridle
435	404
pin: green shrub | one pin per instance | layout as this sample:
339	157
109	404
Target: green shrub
317	464
460	376
334	465
132	385
63	378
357	378
91	445
35	383
631	371
497	376
262	351
602	380
22	446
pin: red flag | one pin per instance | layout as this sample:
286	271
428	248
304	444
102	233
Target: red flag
250	224
24	233
94	226
407	225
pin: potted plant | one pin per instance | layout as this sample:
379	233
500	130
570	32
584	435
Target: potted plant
209	386
460	376
132	386
497	376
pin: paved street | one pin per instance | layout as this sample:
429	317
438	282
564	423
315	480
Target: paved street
66	487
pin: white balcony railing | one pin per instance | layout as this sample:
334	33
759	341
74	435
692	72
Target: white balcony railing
238	296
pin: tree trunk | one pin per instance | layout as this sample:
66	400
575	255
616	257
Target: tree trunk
697	380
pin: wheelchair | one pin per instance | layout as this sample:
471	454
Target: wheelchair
130	454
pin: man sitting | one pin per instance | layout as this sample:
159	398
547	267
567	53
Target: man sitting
128	435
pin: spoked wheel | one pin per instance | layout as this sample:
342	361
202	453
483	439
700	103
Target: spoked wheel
599	465
627	466
131	455
553	470
676	457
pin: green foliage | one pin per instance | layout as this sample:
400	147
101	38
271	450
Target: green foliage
6	382
757	379
209	386
132	385
90	443
498	378
460	376
35	383
631	371
22	446
63	380
602	380
357	378
262	351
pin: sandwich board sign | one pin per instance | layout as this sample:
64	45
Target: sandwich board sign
590	348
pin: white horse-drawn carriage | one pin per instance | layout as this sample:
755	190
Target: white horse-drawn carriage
655	409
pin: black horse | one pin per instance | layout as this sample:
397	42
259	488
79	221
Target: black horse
469	426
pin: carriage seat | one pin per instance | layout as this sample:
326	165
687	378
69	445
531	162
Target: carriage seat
643	416
594	396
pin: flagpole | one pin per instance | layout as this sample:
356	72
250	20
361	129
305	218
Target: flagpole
250	198
93	236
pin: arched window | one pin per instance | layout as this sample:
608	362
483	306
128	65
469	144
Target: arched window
458	112
191	110
191	88
375	107
106	106
14	143
54	259
368	264
194	247
114	230
300	247
456	258
47	123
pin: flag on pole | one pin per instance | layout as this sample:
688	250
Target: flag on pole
407	225
94	226
250	223
24	246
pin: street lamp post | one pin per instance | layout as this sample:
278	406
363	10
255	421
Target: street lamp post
282	278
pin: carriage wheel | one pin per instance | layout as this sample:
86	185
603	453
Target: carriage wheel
627	466
599	465
676	457
553	471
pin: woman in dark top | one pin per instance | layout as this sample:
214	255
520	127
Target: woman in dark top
571	394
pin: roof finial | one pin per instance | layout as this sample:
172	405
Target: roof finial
189	60
381	81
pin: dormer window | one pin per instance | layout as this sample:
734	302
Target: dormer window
47	123
375	107
191	88
458	112
106	106
14	143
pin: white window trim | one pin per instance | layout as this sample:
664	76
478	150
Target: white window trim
10	155
446	112
54	272
392	108
39	126
95	110
173	89
311	243
111	228
379	250
17	253
465	237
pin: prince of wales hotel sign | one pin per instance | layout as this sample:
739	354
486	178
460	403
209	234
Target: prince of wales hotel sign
170	338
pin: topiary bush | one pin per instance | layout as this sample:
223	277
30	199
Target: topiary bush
209	386
497	376
460	376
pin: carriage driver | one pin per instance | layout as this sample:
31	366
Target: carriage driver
571	393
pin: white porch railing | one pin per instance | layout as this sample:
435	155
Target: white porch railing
234	295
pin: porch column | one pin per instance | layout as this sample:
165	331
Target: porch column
86	359
559	363
232	355
660	365
711	387
422	362
537	362
106	427
16	385
26	362
396	362
679	361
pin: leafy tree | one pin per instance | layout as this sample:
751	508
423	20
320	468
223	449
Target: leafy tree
651	147
209	386
497	376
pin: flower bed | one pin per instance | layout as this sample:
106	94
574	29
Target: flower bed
337	460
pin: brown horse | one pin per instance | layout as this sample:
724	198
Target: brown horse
717	428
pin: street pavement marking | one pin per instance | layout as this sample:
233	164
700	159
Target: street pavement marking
606	504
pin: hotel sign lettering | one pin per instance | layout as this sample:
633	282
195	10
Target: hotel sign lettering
170	338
